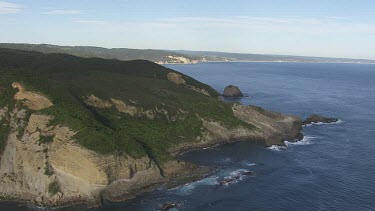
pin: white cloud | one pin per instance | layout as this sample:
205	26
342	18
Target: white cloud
90	22
9	8
276	24
63	12
242	24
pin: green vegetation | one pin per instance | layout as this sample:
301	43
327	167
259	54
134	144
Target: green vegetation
53	188
260	109
6	96
68	80
124	54
45	139
48	171
4	132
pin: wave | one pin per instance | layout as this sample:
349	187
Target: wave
324	123
188	188
238	172
230	178
211	147
276	148
250	164
305	141
236	176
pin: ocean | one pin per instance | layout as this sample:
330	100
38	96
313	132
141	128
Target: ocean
332	168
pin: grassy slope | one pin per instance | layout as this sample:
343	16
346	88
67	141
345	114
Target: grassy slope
67	79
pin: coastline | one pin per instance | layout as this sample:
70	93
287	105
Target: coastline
81	175
183	176
270	128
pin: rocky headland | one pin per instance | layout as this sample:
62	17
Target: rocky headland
64	139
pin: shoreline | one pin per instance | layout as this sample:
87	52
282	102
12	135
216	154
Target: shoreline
185	176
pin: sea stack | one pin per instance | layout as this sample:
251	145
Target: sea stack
232	91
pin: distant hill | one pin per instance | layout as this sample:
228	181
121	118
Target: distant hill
124	54
172	56
238	57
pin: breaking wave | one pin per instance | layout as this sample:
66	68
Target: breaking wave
305	141
276	148
236	176
250	164
188	188
323	123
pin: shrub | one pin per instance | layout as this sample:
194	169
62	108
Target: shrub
53	188
45	139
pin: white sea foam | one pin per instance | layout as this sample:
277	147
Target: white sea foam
305	141
250	164
276	148
323	123
227	160
235	176
237	172
338	122
188	188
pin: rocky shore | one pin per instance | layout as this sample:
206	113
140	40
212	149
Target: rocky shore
314	119
88	177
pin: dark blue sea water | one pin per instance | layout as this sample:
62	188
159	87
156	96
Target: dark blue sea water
332	169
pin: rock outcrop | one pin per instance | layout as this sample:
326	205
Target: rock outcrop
127	108
232	91
169	205
318	119
271	128
203	91
176	78
236	176
32	100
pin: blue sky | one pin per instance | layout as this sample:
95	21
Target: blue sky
333	28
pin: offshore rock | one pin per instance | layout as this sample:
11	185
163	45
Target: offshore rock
318	119
232	91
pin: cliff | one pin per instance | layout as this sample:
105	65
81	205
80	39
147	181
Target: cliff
86	130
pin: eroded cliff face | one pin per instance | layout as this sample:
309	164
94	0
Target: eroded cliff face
32	100
43	164
179	80
271	128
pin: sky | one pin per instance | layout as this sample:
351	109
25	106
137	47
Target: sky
327	28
